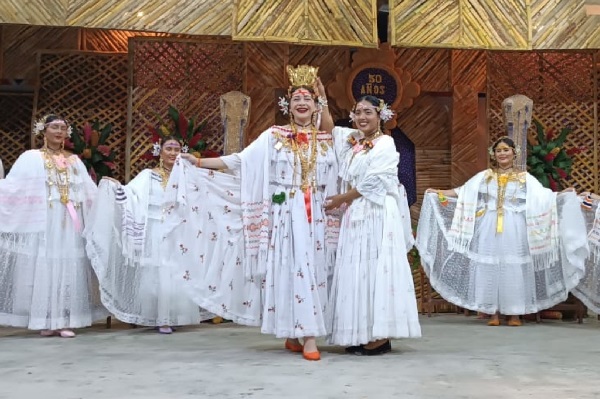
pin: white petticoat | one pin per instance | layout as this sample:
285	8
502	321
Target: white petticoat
46	281
372	293
496	274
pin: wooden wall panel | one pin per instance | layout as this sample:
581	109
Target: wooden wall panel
430	68
21	43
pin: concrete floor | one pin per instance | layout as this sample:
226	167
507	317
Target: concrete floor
458	357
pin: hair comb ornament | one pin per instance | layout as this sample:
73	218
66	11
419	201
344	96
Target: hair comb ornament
385	113
40	125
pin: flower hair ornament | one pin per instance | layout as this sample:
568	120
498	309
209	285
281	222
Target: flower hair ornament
40	125
187	132
491	148
384	110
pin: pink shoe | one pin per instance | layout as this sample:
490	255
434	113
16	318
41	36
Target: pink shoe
67	334
165	330
48	333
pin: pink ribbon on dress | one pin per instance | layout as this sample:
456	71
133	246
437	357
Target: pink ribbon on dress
74	217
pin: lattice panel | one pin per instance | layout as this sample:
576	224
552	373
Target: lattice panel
188	75
15	127
561	86
85	86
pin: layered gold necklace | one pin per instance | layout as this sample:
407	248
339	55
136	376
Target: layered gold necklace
164	175
305	153
56	174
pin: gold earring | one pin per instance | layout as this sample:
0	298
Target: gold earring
160	163
62	145
45	142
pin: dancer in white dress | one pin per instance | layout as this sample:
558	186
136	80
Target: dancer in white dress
502	243
288	241
46	282
372	296
588	290
125	244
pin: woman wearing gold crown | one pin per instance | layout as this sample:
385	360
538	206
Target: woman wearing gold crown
288	243
46	282
124	242
588	290
502	243
372	296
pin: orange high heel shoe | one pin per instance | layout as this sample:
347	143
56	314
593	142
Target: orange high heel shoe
514	323
293	347
316	355
494	322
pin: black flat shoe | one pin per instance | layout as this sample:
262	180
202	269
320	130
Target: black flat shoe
352	349
380	350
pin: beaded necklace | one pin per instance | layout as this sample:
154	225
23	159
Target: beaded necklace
305	153
57	174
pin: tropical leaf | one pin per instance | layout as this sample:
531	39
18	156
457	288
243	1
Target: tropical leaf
540	131
104	133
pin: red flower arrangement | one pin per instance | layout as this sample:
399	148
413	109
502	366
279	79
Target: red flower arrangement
90	145
547	159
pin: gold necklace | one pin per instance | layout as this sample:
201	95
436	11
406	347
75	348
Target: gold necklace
164	176
56	175
307	161
502	181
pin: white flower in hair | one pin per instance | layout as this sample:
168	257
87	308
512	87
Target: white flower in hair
385	113
69	131
156	149
185	149
39	127
283	105
352	116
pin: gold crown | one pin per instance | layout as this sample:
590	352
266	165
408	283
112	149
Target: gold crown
302	75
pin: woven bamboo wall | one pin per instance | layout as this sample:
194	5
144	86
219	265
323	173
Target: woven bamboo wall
341	22
564	92
82	87
189	75
500	24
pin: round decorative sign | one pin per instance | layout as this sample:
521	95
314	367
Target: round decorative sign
378	82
